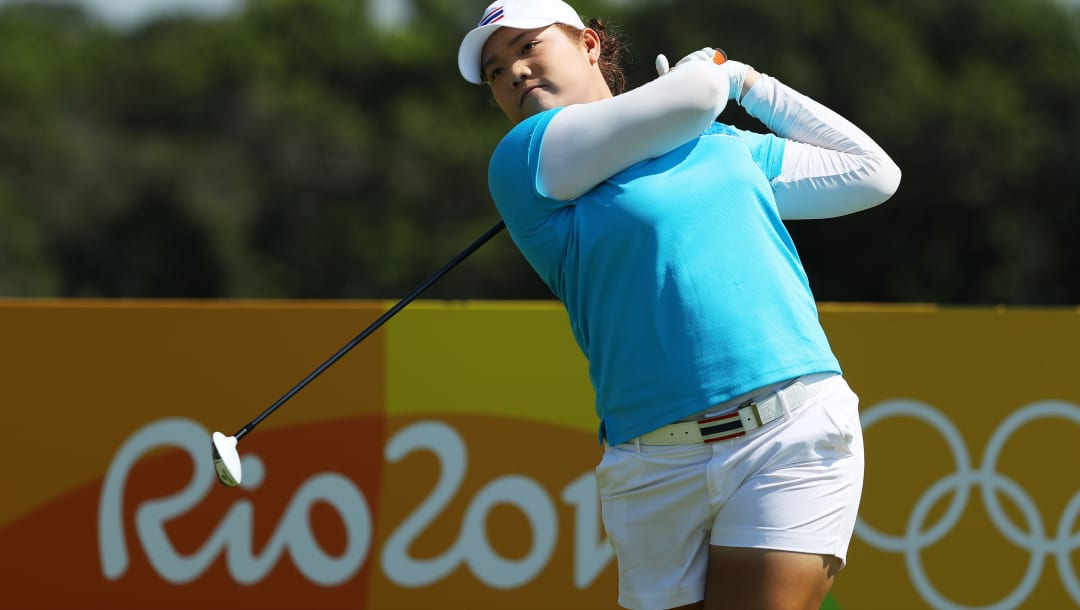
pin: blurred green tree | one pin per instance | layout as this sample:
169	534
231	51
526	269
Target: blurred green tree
297	151
976	101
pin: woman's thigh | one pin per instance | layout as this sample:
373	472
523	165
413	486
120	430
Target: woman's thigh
763	579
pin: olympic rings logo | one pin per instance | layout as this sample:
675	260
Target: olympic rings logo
1034	539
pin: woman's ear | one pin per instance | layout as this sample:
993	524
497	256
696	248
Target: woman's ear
591	40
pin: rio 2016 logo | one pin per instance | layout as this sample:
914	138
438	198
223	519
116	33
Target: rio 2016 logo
551	508
232	536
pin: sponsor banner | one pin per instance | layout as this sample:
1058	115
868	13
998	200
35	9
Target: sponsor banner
107	499
971	420
447	460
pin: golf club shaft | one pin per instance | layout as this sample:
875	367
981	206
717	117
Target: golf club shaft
473	247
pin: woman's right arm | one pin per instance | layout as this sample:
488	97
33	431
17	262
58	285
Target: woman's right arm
586	144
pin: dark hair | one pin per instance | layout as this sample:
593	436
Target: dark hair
611	51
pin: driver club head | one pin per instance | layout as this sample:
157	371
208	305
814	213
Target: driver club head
226	459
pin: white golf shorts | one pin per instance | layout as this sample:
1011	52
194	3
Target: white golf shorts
791	485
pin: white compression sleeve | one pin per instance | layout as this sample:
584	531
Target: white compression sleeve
586	144
831	167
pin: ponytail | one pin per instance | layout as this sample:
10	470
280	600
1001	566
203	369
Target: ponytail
611	50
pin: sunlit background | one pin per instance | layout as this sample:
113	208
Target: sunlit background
329	148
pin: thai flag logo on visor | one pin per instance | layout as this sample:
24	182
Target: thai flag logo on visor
495	15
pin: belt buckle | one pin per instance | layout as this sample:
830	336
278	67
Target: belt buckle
750	415
755	414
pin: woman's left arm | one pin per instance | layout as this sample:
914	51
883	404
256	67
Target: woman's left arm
830	166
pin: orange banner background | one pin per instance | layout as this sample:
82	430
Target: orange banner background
404	477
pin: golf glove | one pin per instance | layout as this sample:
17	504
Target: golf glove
736	70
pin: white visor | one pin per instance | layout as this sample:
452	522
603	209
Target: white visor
518	14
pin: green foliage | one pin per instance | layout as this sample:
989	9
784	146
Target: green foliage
297	151
977	103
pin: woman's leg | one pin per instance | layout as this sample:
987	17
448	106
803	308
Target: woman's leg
761	579
787	503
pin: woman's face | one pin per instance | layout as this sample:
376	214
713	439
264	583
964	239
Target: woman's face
530	71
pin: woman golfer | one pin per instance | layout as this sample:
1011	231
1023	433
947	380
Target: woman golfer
733	460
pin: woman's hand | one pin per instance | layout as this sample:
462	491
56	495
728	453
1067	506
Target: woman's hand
741	76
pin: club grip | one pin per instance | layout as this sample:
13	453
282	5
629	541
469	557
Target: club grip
719	57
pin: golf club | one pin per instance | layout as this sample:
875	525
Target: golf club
226	457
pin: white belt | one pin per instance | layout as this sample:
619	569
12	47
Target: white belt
750	415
